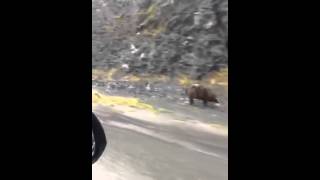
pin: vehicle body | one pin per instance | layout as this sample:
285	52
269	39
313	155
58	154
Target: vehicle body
99	141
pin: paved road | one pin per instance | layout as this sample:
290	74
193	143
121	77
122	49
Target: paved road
141	150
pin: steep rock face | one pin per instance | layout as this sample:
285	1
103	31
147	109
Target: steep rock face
168	37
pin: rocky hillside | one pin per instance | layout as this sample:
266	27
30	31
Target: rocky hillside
167	37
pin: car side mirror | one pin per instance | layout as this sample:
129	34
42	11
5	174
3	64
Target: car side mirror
99	141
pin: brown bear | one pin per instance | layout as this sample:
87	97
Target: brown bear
200	92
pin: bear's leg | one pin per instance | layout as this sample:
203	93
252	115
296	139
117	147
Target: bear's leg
205	103
191	100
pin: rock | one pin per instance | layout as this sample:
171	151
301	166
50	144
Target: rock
169	37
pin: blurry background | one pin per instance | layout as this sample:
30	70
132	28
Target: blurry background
144	54
169	37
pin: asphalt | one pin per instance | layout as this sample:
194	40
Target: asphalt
144	150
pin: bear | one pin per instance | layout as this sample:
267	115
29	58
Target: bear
200	92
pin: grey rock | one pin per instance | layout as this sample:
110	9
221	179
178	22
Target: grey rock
185	36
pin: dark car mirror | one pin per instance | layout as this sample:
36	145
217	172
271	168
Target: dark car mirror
99	141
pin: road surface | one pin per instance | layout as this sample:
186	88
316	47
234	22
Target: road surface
141	150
